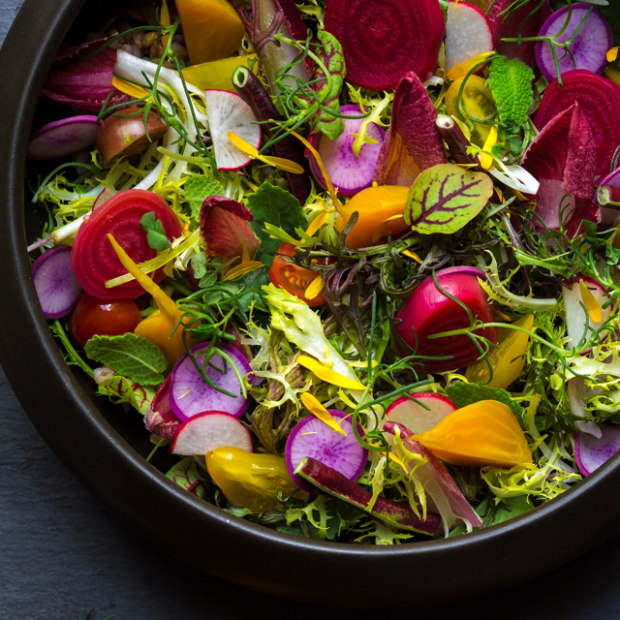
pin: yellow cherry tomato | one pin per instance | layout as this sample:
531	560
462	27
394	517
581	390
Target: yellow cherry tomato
507	359
380	209
251	480
483	433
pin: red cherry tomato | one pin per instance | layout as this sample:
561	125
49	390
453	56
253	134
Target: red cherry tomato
92	316
294	278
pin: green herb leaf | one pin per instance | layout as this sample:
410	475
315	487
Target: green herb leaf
132	356
274	205
463	394
122	390
197	188
155	233
186	474
445	197
510	82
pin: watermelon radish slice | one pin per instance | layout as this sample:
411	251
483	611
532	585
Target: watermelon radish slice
56	285
349	173
209	430
63	138
93	257
312	437
419	411
226	112
384	40
591	453
587	51
468	33
190	394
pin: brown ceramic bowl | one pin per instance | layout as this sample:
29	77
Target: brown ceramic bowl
104	448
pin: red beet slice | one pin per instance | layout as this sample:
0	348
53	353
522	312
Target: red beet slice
384	40
94	259
599	99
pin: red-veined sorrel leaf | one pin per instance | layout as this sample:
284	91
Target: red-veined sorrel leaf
446	197
187	475
413	142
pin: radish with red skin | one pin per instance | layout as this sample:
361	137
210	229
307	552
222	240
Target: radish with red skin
226	112
348	172
321	477
209	430
419	411
589	47
592	452
429	311
160	419
57	287
93	257
190	394
382	41
468	33
312	437
64	137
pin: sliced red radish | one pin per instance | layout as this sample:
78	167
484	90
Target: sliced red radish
384	40
226	112
593	37
56	285
419	411
64	137
468	33
160	419
591	453
314	438
209	430
94	259
584	311
349	173
190	394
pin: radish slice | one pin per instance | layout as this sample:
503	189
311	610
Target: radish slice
312	437
190	394
589	47
419	411
160	419
349	173
382	41
64	137
209	430
56	285
591	453
468	33
226	112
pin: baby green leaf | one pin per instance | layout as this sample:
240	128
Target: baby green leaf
132	356
155	233
445	197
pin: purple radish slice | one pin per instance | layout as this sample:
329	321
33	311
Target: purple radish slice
312	437
64	137
209	430
330	481
349	173
56	285
591	453
160	419
191	394
588	49
419	411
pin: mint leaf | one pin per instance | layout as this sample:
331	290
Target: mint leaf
463	394
197	188
445	197
274	205
510	82
132	356
155	233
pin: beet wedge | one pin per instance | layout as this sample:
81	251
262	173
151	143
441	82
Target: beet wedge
413	142
334	483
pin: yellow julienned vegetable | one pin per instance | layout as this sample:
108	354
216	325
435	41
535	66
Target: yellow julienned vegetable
251	480
507	359
212	29
483	433
216	74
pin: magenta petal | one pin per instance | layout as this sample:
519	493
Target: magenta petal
412	143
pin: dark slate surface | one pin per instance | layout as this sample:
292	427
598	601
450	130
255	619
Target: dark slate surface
63	554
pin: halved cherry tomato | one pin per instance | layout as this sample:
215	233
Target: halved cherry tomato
294	278
92	316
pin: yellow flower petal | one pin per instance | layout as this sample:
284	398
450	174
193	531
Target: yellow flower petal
486	159
589	301
315	287
411	254
312	404
612	54
133	90
327	374
277	162
463	68
381	229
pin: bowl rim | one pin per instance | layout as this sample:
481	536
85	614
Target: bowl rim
334	573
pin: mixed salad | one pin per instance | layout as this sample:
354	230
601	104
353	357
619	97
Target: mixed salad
355	263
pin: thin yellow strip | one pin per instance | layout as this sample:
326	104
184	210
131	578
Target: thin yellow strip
486	159
312	404
317	223
463	68
277	162
594	309
327	374
137	92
